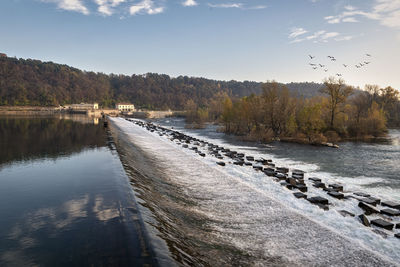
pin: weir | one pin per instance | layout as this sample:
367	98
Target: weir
245	211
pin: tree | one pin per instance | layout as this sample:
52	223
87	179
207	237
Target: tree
337	92
277	106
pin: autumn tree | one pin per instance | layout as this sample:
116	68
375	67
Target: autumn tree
337	92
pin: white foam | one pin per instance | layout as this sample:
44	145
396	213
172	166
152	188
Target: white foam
255	213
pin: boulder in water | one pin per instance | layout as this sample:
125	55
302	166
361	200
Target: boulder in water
300	195
301	187
314	179
337	187
250	158
367	208
280	176
391	204
318	200
282	169
336	195
319	185
369	201
364	220
291	181
258	168
383	224
390	212
346	213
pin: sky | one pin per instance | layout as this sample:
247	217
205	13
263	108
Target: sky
257	40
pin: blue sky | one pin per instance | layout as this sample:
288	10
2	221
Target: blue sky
256	40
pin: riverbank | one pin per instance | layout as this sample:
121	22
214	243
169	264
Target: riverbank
27	110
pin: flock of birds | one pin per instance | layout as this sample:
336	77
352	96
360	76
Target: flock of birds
315	66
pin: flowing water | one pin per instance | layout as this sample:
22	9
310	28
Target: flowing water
233	215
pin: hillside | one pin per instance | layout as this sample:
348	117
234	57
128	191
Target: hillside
33	82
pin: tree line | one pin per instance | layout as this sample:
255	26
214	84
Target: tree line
27	82
37	83
339	112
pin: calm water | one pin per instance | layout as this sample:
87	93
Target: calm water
65	199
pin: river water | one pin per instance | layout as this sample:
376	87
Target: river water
372	167
233	215
65	199
73	193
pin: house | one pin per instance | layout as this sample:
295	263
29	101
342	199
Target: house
3	55
124	107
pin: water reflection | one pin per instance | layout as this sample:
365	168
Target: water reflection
31	138
64	197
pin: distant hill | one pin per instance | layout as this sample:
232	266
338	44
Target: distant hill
33	82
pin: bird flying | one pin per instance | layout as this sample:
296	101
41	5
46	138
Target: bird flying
311	57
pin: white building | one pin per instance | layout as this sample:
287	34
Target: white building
124	107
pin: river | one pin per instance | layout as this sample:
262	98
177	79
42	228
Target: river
73	193
65	199
234	215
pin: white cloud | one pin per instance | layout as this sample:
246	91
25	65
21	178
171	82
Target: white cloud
297	32
70	5
344	38
237	5
226	5
189	3
334	21
329	35
105	10
321	36
387	12
350	8
349	19
392	19
384	6
145	7
315	35
257	7
106	6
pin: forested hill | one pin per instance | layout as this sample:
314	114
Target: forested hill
33	82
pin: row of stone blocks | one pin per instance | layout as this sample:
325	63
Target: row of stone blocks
367	203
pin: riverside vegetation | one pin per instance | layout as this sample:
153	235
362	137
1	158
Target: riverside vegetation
341	113
301	112
28	82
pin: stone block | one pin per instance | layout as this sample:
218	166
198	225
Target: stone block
336	195
390	212
383	224
364	220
